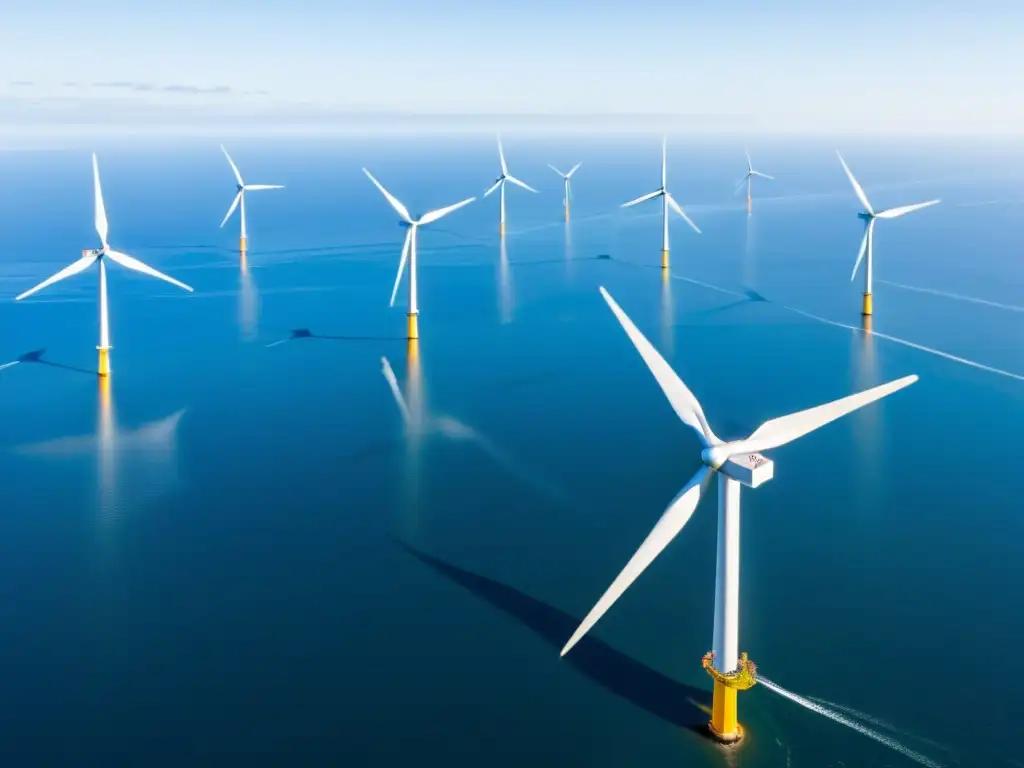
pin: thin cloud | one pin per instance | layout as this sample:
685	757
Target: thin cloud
173	88
21	83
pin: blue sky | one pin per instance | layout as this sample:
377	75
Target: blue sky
787	65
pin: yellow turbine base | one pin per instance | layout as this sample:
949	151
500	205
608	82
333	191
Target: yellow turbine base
567	214
501	229
243	245
103	369
748	206
866	311
724	725
865	323
664	258
413	326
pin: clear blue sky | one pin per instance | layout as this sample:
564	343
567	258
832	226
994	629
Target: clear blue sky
792	64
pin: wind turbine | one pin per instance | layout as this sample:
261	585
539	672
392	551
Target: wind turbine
409	247
89	257
568	189
243	242
735	462
867	244
499	184
751	173
666	201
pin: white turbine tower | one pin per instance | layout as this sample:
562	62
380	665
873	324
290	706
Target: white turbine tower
867	244
499	184
243	242
666	201
409	248
736	462
751	173
89	257
568	188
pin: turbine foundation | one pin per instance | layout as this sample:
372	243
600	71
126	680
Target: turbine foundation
664	258
243	246
103	367
501	229
748	205
724	725
413	326
866	309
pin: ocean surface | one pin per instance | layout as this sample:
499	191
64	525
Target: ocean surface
247	550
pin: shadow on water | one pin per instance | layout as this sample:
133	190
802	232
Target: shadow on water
677	703
36	356
304	333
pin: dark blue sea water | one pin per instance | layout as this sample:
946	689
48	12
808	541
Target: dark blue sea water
241	553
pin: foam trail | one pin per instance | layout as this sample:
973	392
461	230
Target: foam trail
8	365
878	722
844	720
957	296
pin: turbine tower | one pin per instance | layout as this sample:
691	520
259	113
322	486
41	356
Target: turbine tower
736	462
409	248
243	242
746	179
499	184
568	189
666	201
867	244
89	257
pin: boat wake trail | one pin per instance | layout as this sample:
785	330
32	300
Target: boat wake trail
878	722
956	296
842	719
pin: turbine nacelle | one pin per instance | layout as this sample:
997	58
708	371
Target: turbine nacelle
865	215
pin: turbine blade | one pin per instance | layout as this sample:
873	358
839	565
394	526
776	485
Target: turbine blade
892	213
679	396
522	184
494	186
401	266
741	185
258	187
763	175
856	187
435	215
73	269
132	263
389	374
664	154
234	167
563	175
786	429
750	166
667	528
101	211
501	154
675	207
574	169
642	198
391	198
860	254
231	210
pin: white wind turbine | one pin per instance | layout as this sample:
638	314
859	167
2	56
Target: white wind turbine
499	184
568	188
409	248
89	257
735	462
243	242
666	201
867	244
751	173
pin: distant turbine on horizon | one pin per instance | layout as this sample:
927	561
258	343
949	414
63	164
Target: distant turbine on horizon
867	244
499	184
243	242
746	179
568	188
409	248
666	201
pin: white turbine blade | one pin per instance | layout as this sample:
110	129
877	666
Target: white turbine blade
401	266
642	198
231	210
501	154
664	154
892	213
72	269
258	187
132	263
522	184
574	169
667	528
234	167
389	374
679	396
763	175
786	429
494	186
863	250
563	175
101	211
741	185
391	198
435	215
856	187
675	207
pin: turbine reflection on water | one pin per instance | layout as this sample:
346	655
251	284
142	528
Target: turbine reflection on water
248	302
504	285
